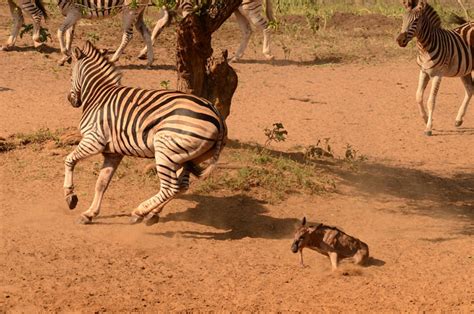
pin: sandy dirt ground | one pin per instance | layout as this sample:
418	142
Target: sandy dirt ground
412	201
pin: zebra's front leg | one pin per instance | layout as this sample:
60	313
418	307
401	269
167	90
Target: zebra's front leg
87	147
36	32
72	17
129	18
111	162
432	103
143	30
246	31
70	37
467	81
18	21
422	83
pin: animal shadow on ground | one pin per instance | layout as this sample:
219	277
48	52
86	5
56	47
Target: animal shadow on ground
287	62
239	216
458	131
45	49
163	67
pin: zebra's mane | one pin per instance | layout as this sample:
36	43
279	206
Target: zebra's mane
94	57
433	15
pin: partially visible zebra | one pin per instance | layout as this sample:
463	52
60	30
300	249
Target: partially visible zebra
249	12
132	11
441	53
35	9
178	130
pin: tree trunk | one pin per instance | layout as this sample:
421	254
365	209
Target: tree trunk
198	73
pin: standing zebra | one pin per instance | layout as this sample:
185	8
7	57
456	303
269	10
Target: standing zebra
178	130
441	53
33	8
249	12
132	11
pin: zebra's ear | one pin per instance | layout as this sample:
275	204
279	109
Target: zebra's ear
77	53
421	4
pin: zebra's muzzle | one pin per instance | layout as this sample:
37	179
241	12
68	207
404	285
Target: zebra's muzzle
74	100
295	246
402	39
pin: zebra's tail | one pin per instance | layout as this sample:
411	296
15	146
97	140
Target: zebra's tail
40	5
456	19
269	10
203	173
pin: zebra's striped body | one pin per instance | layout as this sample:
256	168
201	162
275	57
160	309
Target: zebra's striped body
441	53
249	12
132	11
178	130
33	8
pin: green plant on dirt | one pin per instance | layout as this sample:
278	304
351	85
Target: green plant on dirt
93	37
6	146
352	154
169	4
275	134
319	151
43	33
133	4
165	84
39	137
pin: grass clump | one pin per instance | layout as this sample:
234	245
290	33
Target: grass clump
39	137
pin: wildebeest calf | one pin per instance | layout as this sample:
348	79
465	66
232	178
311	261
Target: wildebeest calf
331	242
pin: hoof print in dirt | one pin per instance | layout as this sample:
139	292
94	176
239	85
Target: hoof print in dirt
72	201
151	220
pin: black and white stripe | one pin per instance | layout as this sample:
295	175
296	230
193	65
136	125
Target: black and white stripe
178	130
33	8
132	11
441	52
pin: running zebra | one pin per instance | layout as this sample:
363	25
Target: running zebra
35	9
178	130
132	11
249	12
441	53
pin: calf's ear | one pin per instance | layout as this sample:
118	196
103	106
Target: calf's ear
303	221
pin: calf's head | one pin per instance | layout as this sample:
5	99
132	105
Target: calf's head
302	235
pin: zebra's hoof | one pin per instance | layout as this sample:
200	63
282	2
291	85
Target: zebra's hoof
269	57
152	219
428	133
71	201
84	220
135	219
458	123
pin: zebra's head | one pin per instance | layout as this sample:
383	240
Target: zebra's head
91	67
414	9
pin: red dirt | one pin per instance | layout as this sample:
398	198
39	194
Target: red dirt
412	202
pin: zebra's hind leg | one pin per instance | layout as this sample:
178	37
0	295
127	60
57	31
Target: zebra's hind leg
431	104
261	24
143	30
87	147
422	83
162	22
18	21
467	81
246	31
129	18
36	31
111	162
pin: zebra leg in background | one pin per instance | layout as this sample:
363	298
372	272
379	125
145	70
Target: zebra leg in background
87	147
70	37
261	24
18	21
422	83
431	104
129	18
140	26
246	31
467	81
72	17
36	31
111	162
159	27
183	180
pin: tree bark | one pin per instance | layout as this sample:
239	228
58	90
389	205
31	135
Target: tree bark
198	72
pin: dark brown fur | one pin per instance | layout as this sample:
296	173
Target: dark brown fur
330	241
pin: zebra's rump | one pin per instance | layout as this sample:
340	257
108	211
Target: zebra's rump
93	9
